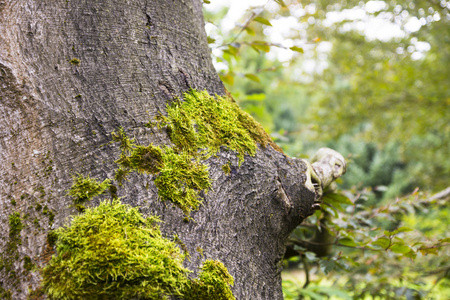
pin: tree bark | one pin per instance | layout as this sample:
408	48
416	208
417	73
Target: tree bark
71	72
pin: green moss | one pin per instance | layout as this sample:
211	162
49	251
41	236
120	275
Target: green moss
182	245
51	217
200	251
28	264
41	190
15	225
121	175
213	283
199	127
75	61
144	159
256	131
125	143
181	179
10	254
5	294
85	188
113	191
112	252
204	122
36	294
52	237
227	168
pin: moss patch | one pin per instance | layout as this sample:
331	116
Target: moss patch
181	180
10	254
199	127
180	176
75	61
144	159
15	226
226	168
113	252
28	263
211	123
5	294
213	282
52	237
85	188
204	122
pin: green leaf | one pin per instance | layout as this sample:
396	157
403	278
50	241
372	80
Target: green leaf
260	46
255	97
311	256
211	40
311	294
339	198
281	2
252	77
206	1
297	49
411	254
383	242
398	230
327	265
227	78
430	250
262	21
249	30
446	240
347	241
400	248
231	50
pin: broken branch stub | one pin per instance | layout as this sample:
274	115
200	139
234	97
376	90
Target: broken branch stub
326	166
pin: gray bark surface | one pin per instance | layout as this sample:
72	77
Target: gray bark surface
56	117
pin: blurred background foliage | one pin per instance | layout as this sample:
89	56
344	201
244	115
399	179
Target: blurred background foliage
371	80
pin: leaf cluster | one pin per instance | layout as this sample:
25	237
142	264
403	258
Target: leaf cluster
374	240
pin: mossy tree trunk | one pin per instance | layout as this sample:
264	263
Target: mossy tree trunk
71	72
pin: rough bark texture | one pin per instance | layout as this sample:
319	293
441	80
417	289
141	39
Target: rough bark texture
57	113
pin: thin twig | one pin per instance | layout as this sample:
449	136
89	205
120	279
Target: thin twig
306	267
254	15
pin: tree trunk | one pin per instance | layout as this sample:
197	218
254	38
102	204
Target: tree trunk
71	72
